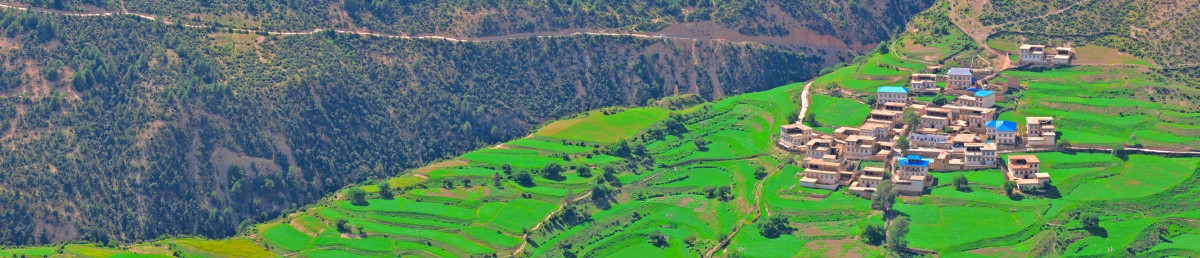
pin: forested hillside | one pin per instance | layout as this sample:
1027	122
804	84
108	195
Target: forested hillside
851	22
119	128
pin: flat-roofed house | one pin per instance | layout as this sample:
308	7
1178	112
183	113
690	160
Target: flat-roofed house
1063	56
1026	172
883	115
929	140
892	94
911	175
817	148
794	135
961	139
894	106
959	79
881	130
1003	133
868	181
973	119
826	173
861	147
936	118
979	98
843	132
1031	54
1043	55
979	155
924	83
1040	132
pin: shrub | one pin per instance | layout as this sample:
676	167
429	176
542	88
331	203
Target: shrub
774	227
1009	186
524	179
342	226
1090	221
585	172
760	173
701	144
552	171
960	183
385	191
873	235
658	240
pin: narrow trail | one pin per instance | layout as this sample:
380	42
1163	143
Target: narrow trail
804	96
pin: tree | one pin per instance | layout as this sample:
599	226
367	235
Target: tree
524	179
1089	221
496	179
357	196
552	171
873	235
884	197
621	149
870	100
960	183
896	233
584	172
774	227
385	190
910	118
1009	186
902	143
610	176
601	196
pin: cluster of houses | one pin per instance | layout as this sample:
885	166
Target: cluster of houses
960	135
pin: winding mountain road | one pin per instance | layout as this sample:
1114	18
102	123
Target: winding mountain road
364	32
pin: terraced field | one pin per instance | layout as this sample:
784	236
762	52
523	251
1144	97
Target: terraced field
1105	106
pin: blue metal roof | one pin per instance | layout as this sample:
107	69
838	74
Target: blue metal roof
892	89
960	71
984	93
914	161
1002	126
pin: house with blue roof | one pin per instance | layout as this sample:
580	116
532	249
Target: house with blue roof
1003	133
959	79
977	98
911	175
891	94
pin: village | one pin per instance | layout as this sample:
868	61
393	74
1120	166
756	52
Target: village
903	140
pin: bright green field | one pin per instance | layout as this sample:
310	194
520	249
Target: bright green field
601	128
833	112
